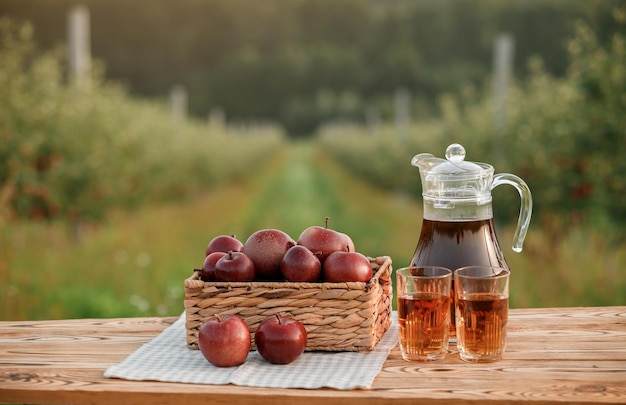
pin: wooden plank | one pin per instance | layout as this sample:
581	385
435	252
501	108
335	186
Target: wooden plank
554	356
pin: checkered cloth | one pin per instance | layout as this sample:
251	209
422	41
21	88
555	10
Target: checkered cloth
167	358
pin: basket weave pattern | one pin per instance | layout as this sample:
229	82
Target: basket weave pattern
337	316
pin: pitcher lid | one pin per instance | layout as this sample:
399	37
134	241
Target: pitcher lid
454	178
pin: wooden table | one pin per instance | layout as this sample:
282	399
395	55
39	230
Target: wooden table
556	355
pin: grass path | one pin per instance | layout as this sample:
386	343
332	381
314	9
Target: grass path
310	187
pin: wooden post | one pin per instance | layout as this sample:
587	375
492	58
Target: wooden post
402	111
217	120
178	102
79	41
372	120
503	68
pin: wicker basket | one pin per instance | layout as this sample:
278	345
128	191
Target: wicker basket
337	316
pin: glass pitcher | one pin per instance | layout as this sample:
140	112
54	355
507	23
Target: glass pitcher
457	228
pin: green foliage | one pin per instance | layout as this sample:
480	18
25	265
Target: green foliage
564	136
78	151
135	264
275	59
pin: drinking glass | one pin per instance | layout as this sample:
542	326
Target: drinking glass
482	312
423	298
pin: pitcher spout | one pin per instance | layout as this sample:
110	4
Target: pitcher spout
421	159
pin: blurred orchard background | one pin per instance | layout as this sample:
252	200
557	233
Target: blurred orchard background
133	132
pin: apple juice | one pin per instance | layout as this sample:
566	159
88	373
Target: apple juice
481	322
424	320
455	244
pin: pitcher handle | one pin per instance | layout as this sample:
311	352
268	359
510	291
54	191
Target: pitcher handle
526	207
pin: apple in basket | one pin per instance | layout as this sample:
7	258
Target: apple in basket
300	264
224	243
225	340
280	339
234	266
351	247
207	273
342	267
266	249
323	241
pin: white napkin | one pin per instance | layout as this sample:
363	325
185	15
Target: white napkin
167	358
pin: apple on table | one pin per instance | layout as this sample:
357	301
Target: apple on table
280	339
225	340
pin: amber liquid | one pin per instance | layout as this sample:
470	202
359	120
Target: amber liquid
424	322
482	320
458	244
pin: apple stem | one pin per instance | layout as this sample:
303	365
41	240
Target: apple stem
326	222
278	319
219	318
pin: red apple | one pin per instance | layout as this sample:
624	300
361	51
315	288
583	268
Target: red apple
342	267
225	340
266	249
234	266
351	247
207	273
223	243
280	340
300	264
323	241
